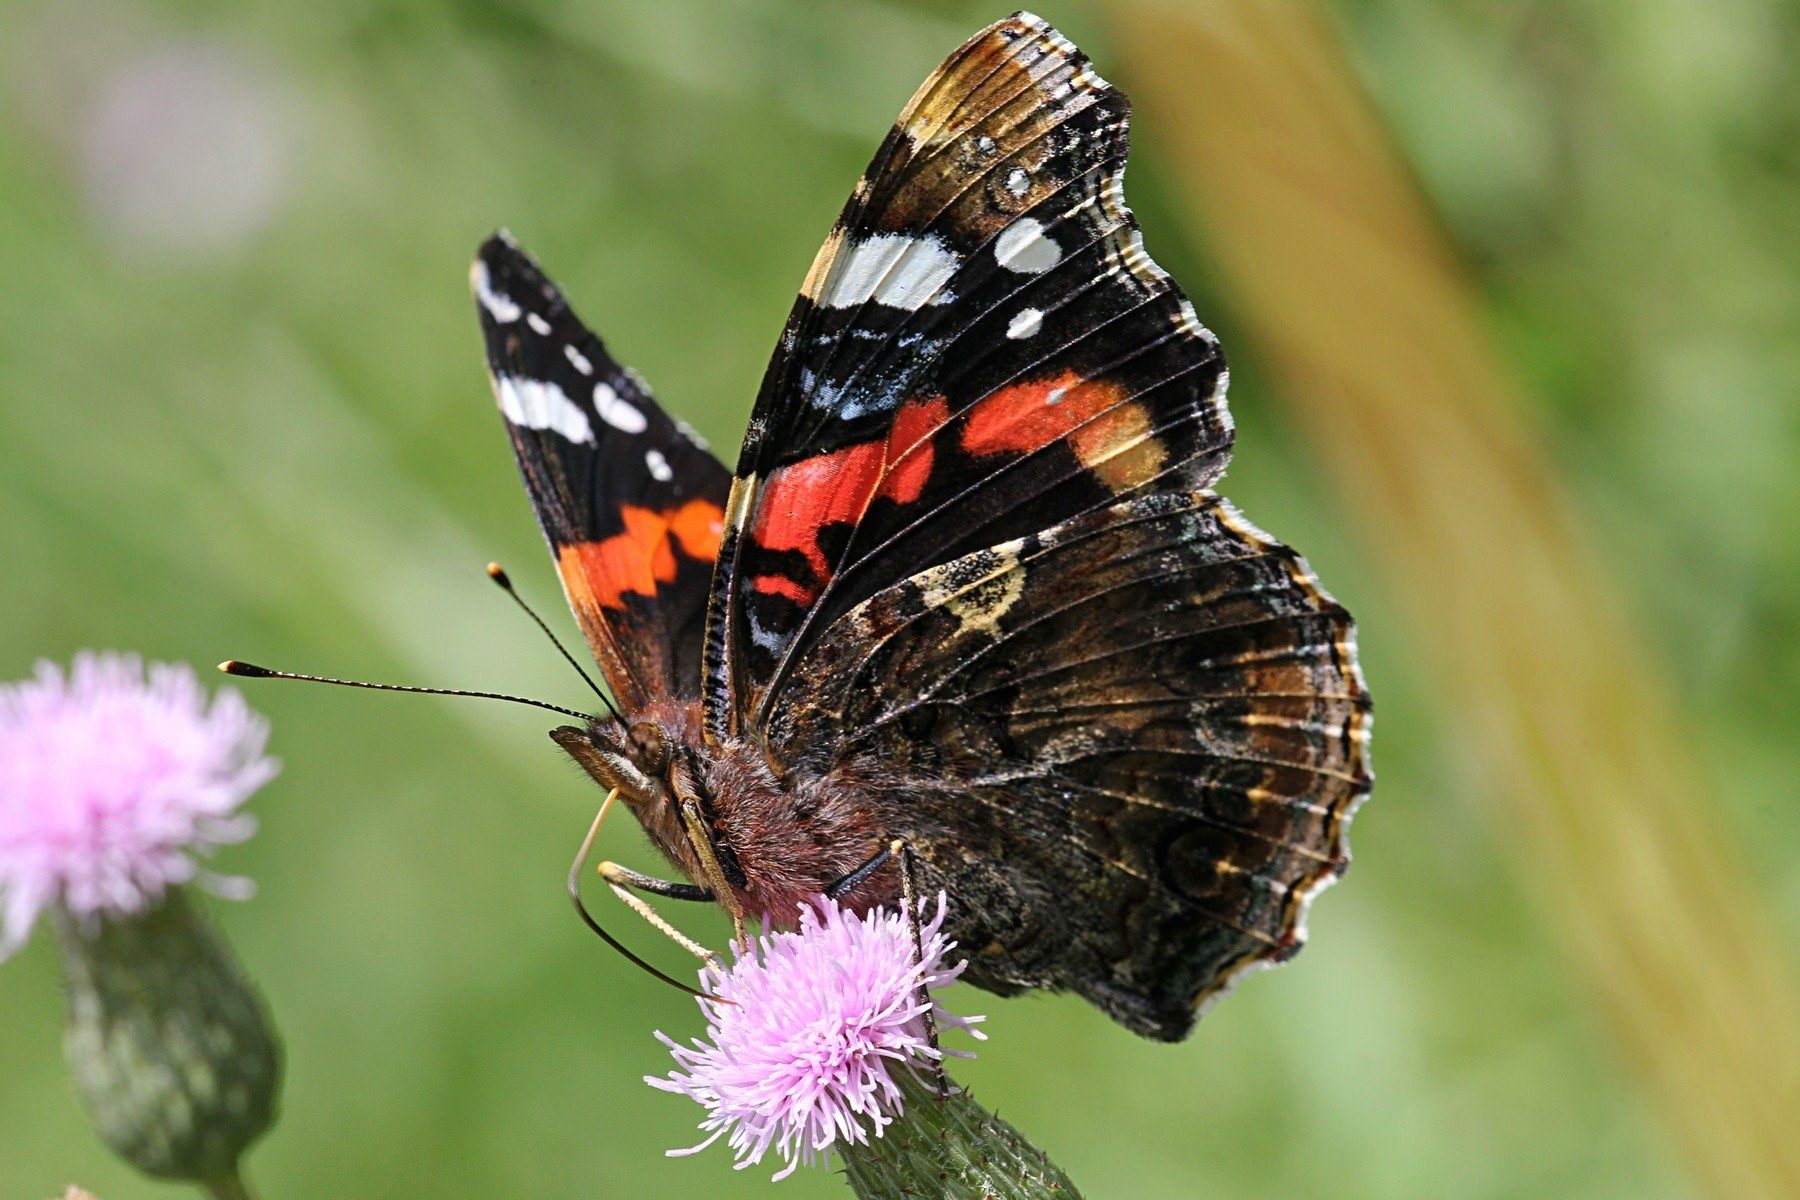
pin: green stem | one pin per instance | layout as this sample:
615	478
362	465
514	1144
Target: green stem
950	1148
231	1187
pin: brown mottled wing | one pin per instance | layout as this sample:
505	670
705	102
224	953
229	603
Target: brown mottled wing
630	500
982	349
1129	746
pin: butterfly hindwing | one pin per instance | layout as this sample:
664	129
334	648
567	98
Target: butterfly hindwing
630	500
981	349
1144	730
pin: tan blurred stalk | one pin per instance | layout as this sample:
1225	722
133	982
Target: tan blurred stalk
1356	301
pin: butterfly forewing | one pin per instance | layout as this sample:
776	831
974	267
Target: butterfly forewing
981	349
631	501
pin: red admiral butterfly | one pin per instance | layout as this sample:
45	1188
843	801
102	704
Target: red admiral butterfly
967	587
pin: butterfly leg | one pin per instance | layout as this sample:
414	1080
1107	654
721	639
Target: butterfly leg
701	841
623	879
581	857
909	892
844	885
618	873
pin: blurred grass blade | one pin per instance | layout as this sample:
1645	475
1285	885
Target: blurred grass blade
1335	262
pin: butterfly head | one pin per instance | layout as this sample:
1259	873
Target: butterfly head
631	758
655	778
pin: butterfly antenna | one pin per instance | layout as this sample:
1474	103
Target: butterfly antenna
498	575
252	671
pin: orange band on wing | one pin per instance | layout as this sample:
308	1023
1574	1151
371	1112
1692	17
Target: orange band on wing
599	574
1111	436
781	585
697	526
801	499
1029	416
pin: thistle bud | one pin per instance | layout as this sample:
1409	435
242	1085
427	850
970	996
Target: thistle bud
171	1047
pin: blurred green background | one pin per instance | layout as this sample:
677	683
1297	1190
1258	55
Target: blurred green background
244	414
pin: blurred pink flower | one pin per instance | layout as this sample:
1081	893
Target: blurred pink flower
820	1021
111	784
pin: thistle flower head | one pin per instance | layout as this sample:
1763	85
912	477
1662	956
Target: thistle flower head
818	1023
112	782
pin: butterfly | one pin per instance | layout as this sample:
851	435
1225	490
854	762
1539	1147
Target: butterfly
967	589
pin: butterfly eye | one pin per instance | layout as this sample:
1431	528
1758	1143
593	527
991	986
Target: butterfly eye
649	748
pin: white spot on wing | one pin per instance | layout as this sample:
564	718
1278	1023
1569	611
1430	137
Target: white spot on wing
1022	247
499	305
1018	181
768	639
1025	322
688	432
617	411
539	405
577	359
659	466
538	323
894	269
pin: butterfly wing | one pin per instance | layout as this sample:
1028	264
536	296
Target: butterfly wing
969	555
630	500
981	349
1129	745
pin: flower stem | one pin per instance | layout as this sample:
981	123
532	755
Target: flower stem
950	1148
230	1187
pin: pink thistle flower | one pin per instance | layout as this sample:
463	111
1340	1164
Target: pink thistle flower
111	785
818	1023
